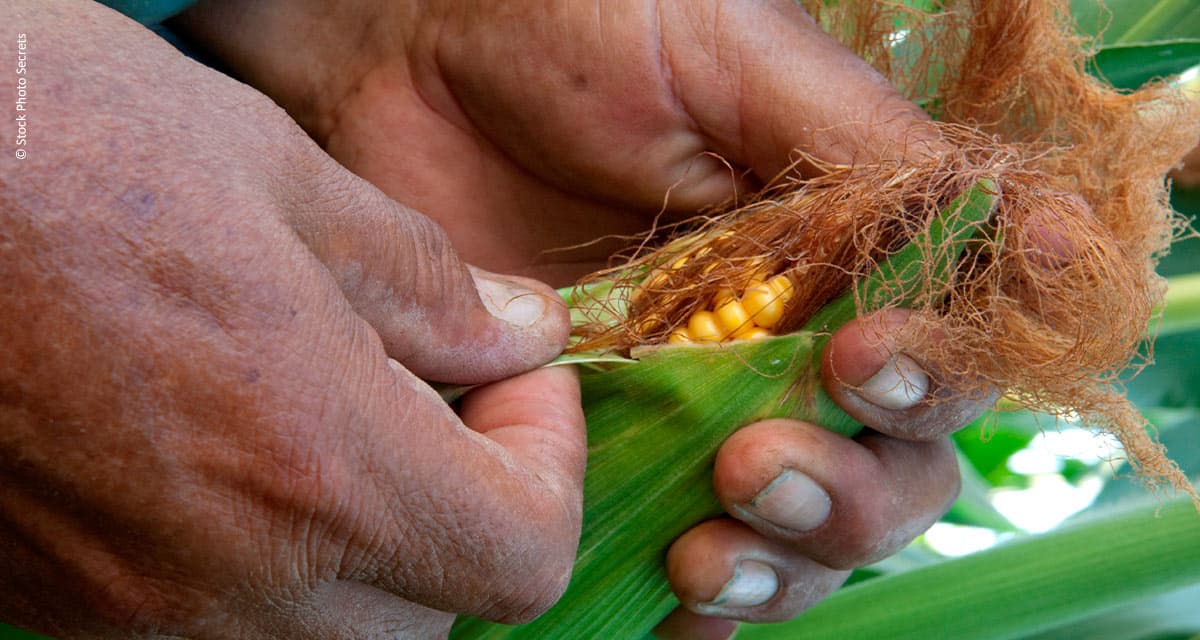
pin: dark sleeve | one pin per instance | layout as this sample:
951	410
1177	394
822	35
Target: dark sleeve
149	12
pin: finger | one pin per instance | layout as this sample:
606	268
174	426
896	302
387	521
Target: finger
774	82
442	320
483	521
722	568
554	442
842	502
684	624
890	391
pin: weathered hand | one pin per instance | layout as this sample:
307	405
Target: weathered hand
212	416
527	127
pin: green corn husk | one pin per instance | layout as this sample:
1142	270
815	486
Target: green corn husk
655	424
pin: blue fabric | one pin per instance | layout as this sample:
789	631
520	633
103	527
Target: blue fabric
149	12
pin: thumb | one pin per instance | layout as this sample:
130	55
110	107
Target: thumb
440	318
880	386
778	83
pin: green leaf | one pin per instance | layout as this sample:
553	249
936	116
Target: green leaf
1014	590
1181	308
1137	21
917	554
988	442
13	633
1173	380
1173	615
1129	66
973	506
1187	201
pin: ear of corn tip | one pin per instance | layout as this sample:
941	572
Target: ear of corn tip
759	308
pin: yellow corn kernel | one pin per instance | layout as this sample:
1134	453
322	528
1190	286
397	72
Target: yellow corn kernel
723	296
649	325
763	304
782	285
656	280
680	336
702	326
731	316
751	332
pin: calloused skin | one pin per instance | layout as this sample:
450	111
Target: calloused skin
215	420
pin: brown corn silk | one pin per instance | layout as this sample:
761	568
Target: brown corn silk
1053	300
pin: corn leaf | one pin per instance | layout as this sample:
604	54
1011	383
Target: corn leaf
1133	21
1173	615
973	506
1181	307
1015	590
1129	66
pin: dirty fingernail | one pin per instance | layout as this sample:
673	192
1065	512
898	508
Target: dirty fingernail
510	302
752	584
793	501
900	384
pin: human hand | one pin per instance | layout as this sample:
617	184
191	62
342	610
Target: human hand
526	127
213	418
530	128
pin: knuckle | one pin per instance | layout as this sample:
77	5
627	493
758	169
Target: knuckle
862	525
866	537
873	525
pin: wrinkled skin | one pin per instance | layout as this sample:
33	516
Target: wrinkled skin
214	420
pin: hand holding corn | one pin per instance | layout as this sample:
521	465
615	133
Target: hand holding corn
554	125
212	422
